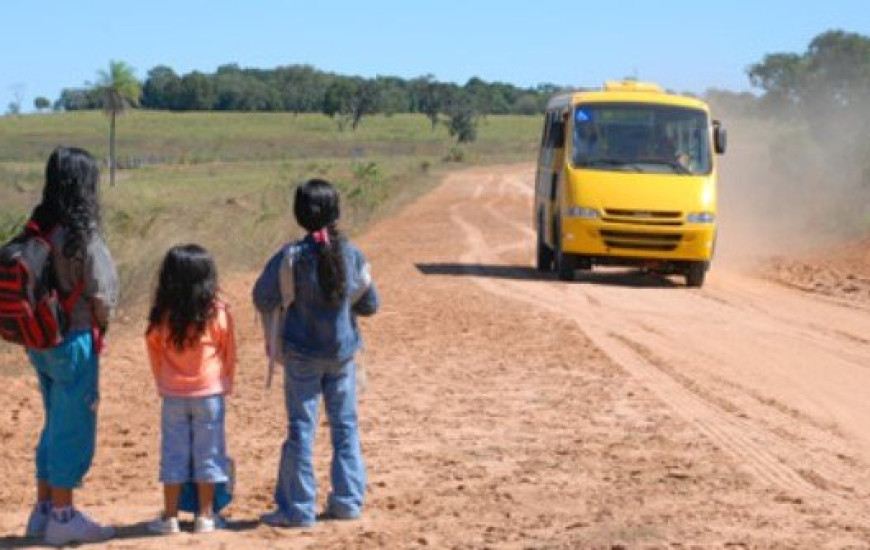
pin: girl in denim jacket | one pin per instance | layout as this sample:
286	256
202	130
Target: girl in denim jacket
332	285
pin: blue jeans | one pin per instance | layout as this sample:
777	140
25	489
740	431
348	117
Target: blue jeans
304	381
193	440
69	384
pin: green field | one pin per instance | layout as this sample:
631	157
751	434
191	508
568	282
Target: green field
225	180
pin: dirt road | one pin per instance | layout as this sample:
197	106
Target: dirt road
507	409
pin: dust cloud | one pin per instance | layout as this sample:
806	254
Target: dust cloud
787	188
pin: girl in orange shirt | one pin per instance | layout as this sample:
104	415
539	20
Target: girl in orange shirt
191	346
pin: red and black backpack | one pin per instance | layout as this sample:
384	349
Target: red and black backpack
32	312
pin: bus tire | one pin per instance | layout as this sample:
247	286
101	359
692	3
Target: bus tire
695	274
544	261
566	264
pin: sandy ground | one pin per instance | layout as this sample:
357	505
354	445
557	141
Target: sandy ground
504	409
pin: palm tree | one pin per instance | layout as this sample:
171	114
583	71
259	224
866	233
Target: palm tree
119	89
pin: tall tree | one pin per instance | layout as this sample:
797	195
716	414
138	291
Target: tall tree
17	100
77	99
302	88
41	103
196	93
462	116
161	89
780	76
349	99
430	97
119	90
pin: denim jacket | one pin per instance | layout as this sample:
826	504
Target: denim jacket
313	328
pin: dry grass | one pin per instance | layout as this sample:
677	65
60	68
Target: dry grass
225	180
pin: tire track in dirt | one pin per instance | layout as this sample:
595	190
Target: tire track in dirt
824	473
768	456
833	339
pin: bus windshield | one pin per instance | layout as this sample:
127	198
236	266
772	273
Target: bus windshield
640	137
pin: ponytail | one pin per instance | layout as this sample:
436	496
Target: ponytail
316	208
330	266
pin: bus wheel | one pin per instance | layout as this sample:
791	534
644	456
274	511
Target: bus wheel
695	274
565	263
544	252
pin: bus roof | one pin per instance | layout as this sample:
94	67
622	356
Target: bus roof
628	91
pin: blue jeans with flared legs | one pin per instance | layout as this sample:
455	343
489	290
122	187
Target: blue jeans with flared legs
305	380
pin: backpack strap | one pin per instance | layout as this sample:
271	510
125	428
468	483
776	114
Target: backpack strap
36	230
74	296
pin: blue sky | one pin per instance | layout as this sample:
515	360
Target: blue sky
684	45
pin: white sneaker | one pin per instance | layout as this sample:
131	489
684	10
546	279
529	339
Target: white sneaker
204	524
80	528
167	526
36	523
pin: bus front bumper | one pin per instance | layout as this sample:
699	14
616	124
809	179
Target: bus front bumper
595	238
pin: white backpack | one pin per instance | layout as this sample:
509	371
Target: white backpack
273	321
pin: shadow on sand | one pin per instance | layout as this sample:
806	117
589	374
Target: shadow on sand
634	278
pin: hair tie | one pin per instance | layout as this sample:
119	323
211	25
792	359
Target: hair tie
321	236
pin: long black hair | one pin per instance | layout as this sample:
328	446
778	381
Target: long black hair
186	293
316	207
70	197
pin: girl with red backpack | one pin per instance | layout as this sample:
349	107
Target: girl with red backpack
69	214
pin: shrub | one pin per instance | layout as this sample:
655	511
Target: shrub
455	154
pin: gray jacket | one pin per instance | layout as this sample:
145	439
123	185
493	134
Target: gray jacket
94	266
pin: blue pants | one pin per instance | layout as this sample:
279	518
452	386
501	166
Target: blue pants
69	383
304	382
193	441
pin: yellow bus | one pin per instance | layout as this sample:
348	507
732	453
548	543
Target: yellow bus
627	177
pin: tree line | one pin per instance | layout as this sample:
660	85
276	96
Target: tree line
827	87
833	73
305	89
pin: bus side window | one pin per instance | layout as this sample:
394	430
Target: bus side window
545	158
546	149
557	143
545	131
557	132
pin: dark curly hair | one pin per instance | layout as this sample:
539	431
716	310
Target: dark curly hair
185	295
316	206
70	197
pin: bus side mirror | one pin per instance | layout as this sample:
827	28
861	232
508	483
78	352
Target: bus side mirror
720	138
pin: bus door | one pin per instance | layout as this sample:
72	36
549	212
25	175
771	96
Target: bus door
550	163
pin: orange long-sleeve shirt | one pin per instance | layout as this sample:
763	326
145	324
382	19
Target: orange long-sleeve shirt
205	368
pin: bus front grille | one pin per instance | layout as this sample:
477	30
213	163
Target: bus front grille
643	217
664	242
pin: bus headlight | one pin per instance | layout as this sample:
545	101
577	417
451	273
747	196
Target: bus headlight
582	212
701	217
